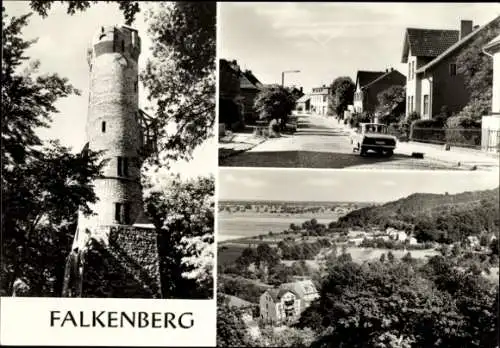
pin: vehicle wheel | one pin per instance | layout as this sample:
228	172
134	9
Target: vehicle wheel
389	153
362	151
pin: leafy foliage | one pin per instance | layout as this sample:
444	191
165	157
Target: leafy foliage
274	102
376	304
433	217
42	186
230	327
184	212
129	8
342	94
477	69
180	76
392	104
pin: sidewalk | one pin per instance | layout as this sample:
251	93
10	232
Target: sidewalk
235	143
456	155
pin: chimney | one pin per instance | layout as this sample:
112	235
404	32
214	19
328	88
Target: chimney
392	69
301	89
465	28
386	70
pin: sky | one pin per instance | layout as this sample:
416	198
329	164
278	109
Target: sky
345	185
62	48
328	40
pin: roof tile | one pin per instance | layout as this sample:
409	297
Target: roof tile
430	42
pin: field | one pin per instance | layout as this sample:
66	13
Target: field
229	252
232	226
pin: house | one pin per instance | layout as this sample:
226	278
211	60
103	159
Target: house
304	103
433	81
319	99
370	83
490	133
237	92
279	306
244	307
230	105
250	86
305	290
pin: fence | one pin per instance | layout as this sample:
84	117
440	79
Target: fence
491	140
462	137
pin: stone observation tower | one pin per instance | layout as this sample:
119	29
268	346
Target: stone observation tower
115	127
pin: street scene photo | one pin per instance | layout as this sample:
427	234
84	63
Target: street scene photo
354	258
359	86
108	123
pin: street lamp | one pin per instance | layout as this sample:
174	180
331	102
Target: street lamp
283	75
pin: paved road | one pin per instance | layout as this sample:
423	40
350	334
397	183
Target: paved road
321	142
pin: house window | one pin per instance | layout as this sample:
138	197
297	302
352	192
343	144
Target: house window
408	106
324	98
426	104
122	166
123	46
409	71
453	69
412	70
122	213
103	126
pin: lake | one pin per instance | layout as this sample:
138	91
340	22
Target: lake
233	226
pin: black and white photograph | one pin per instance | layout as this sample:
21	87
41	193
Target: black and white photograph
359	85
319	258
108	149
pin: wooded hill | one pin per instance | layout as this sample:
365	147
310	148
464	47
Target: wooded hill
467	213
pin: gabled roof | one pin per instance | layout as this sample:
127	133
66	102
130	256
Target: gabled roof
364	77
251	77
277	294
246	84
380	78
304	98
427	42
234	301
457	45
493	45
302	288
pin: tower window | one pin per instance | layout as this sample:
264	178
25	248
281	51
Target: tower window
122	166
103	126
118	210
453	69
122	213
136	85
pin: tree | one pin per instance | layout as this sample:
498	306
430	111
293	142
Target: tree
275	102
180	77
477	69
230	327
183	210
341	95
391	104
287	337
129	8
43	185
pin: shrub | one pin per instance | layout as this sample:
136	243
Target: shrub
413	116
463	130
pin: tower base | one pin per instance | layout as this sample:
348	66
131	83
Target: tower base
124	264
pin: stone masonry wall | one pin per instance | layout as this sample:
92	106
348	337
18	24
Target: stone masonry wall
128	268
